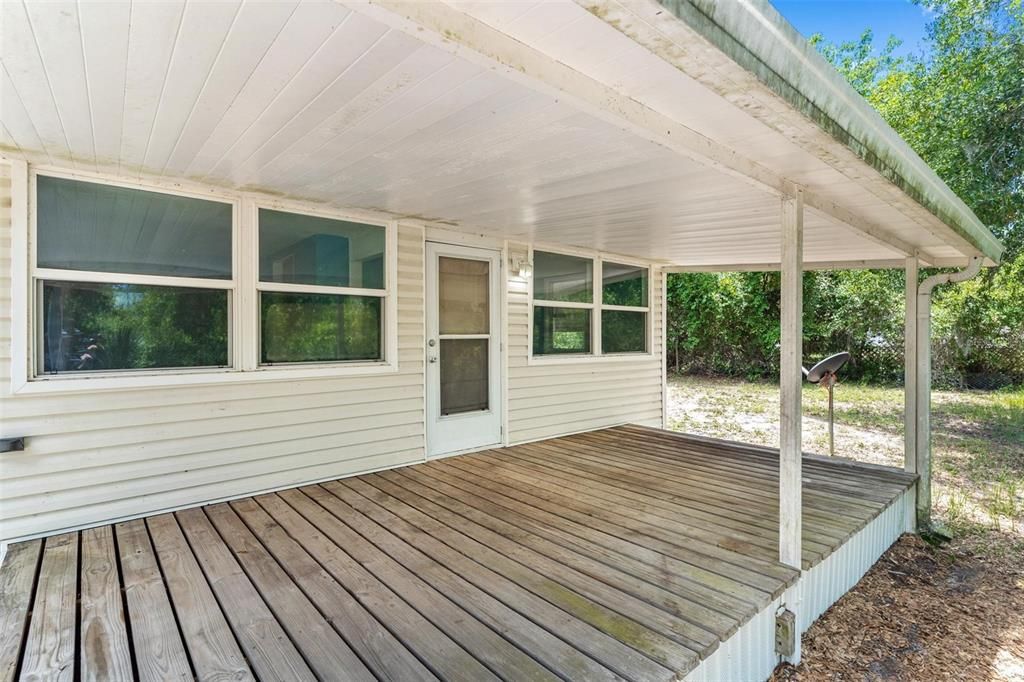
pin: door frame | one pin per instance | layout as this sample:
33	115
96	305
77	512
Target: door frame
435	247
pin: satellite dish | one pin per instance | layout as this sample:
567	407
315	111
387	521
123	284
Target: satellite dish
829	365
824	374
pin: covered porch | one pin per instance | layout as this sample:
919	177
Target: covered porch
567	151
628	552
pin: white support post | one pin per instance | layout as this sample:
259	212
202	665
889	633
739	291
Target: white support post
910	368
790	381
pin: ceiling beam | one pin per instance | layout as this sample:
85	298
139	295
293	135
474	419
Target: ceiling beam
460	34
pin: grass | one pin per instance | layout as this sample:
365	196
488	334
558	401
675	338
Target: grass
977	441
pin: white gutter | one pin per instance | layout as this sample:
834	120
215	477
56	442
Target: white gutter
924	384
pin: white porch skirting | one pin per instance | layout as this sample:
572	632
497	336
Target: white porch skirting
750	653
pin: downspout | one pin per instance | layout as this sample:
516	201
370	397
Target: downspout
924	385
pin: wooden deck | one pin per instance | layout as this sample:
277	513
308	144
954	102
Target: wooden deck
623	553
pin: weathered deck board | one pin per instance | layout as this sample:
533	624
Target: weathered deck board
213	649
17	583
440	653
431	603
327	654
103	634
159	651
677	579
513	594
379	649
50	649
490	648
514	542
626	553
270	652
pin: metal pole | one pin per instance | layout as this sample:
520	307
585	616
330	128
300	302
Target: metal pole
924	385
831	421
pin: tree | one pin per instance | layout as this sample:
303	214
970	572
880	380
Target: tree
960	105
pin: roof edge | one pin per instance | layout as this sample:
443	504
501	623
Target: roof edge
754	35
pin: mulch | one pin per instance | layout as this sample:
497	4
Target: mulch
924	613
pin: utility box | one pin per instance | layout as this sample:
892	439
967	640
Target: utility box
785	633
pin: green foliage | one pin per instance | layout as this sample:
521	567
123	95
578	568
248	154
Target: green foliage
126	326
960	105
319	327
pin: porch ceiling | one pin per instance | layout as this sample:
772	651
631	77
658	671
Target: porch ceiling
532	121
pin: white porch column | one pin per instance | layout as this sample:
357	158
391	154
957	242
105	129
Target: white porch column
910	368
791	380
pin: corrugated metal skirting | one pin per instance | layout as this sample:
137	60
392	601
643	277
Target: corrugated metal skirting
750	653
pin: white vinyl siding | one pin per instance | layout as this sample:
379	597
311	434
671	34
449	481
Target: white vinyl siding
94	456
553	399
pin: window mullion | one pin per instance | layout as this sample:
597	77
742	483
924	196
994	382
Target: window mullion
598	301
563	304
247	341
628	308
288	288
92	276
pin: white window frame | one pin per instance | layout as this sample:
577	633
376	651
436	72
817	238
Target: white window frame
38	275
388	311
243	322
646	310
596	353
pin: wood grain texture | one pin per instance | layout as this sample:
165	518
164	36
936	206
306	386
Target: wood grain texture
442	654
105	652
211	644
17	580
625	553
50	647
382	651
327	654
159	651
460	626
267	646
504	606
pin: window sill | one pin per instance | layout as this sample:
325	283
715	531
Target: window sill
170	379
583	359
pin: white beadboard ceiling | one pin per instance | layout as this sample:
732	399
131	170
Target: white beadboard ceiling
329	103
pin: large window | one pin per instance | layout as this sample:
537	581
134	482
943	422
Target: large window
584	306
322	289
127	279
563	304
623	308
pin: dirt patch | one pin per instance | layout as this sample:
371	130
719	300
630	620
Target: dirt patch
924	613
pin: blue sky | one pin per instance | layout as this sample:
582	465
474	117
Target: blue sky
842	20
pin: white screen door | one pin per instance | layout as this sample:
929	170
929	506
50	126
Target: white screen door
463	346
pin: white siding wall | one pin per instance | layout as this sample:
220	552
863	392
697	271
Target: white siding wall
96	456
546	400
93	457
